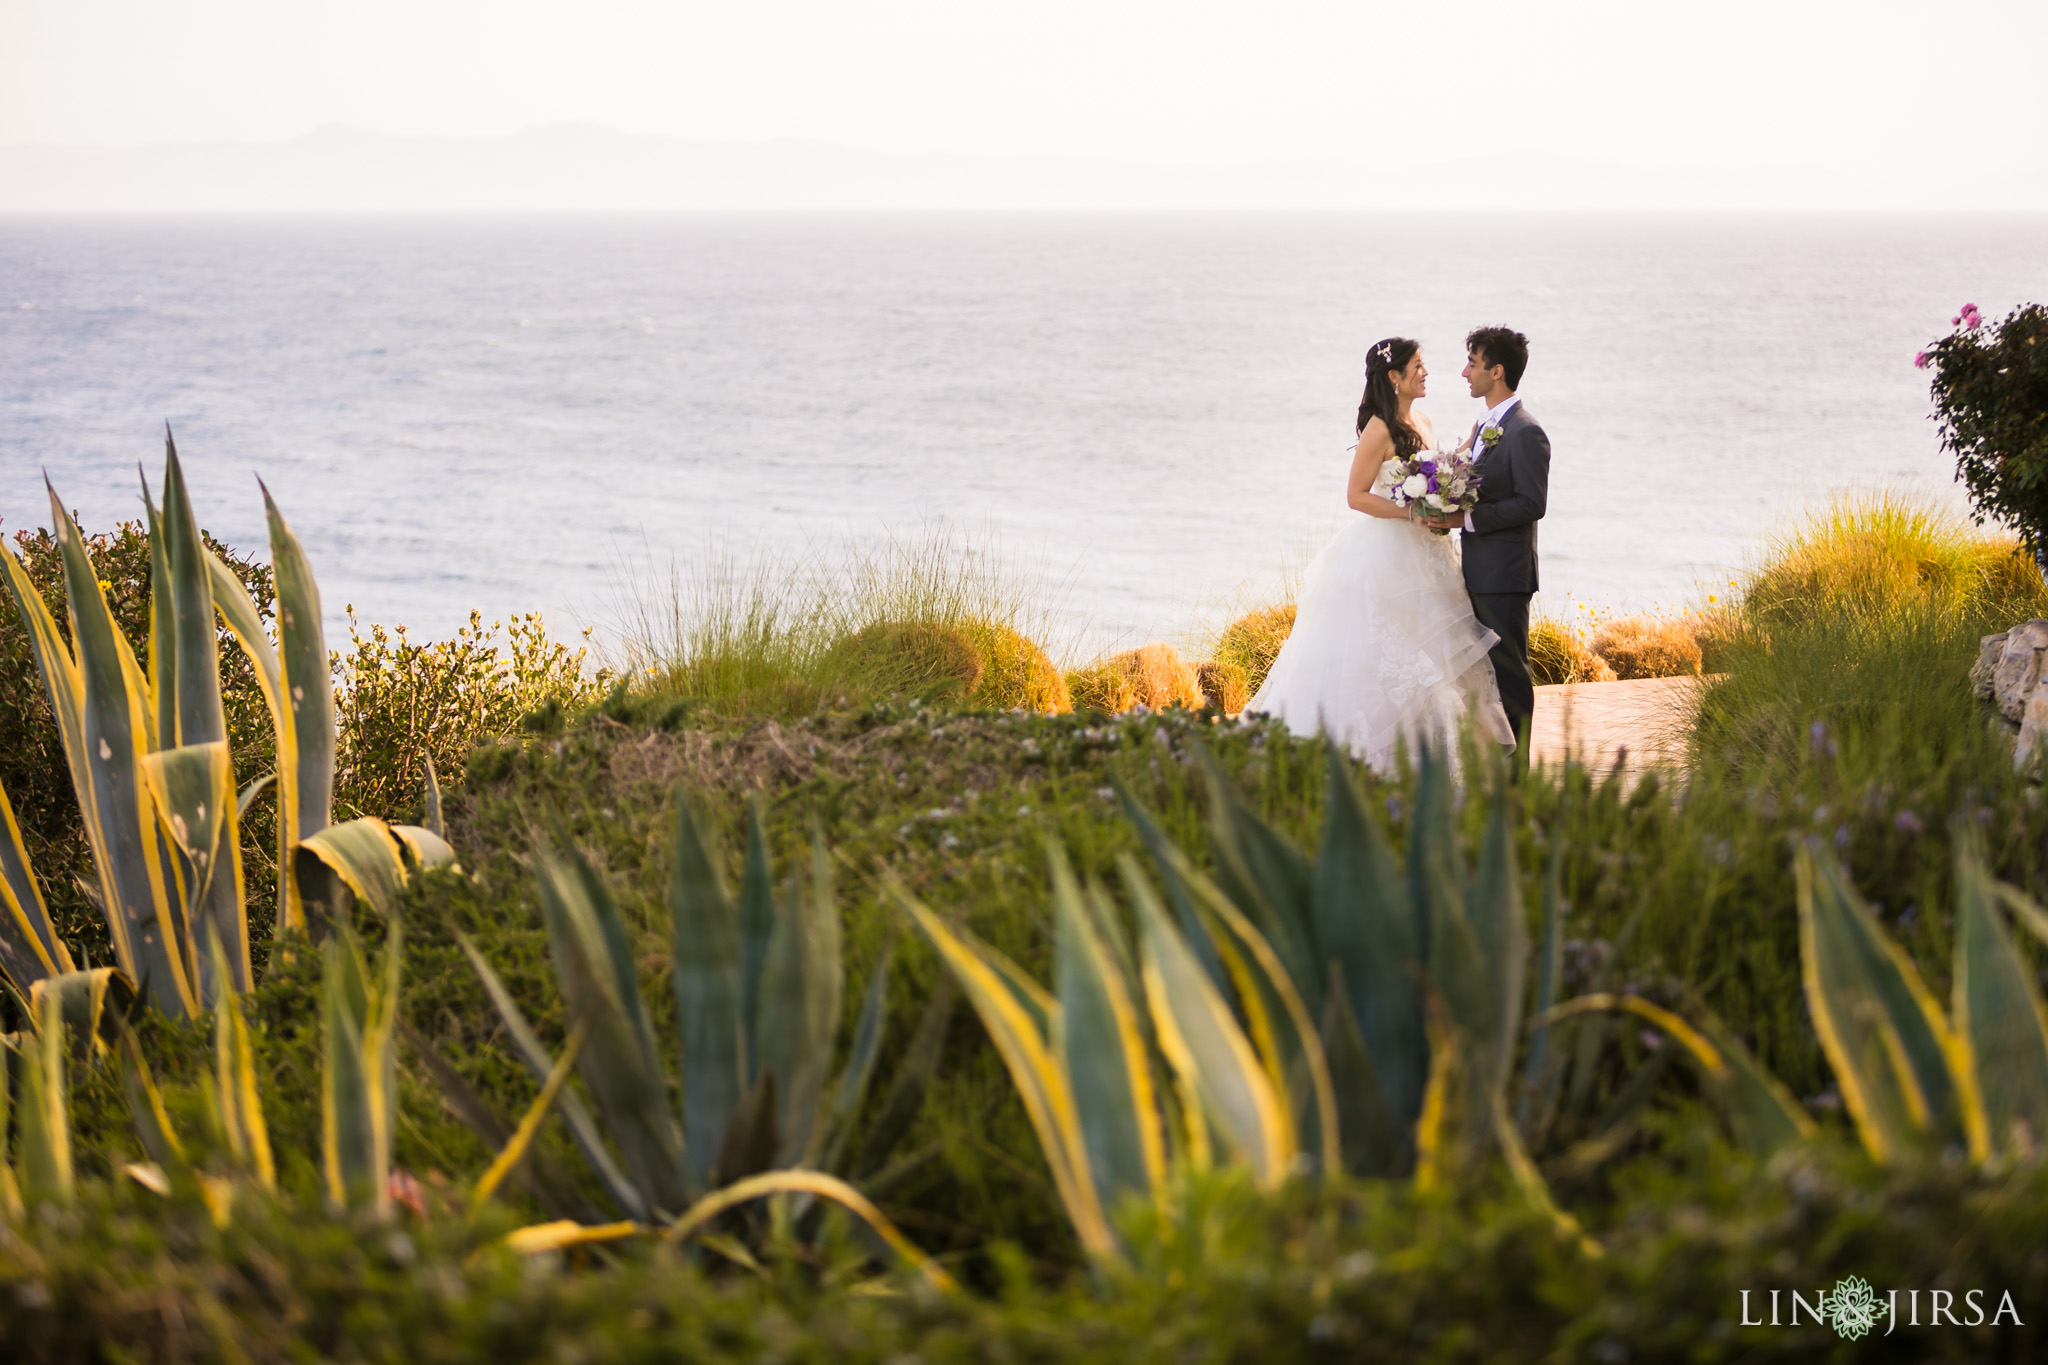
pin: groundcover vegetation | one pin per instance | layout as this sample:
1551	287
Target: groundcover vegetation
1842	726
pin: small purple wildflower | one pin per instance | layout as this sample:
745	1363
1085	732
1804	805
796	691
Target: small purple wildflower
1906	822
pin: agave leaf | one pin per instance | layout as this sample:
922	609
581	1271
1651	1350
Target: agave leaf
1205	1047
29	947
823	1186
867	1043
1435	869
905	1096
1266	875
121	825
363	856
581	1126
798	1006
1103	1052
750	1139
193	788
10	1192
1894	1055
1501	929
235	1066
1531	1181
61	677
146	1105
84	999
306	684
627	1080
2000	1020
348	1146
238	611
1365	924
423	847
1540	1074
1157	845
757	914
185	671
430	800
1034	1069
1240	942
565	1233
704	949
1375	1145
1762	1113
44	1121
521	1141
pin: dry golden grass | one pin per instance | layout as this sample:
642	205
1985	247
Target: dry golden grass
1253	641
1224	686
1557	654
1151	675
1102	686
1015	672
1649	646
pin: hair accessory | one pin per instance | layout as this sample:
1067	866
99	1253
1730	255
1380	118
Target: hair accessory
1385	351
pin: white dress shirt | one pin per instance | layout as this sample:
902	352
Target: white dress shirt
1493	418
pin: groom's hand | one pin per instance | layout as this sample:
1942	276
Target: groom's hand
1445	523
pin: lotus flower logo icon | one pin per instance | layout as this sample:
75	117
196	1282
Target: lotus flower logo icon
1852	1307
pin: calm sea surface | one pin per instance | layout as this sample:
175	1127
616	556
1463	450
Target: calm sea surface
499	413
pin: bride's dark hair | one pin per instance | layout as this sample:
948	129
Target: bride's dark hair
1385	360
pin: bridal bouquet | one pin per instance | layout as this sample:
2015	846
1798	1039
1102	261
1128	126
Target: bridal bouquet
1435	483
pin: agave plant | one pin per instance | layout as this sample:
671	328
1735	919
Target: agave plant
40	1170
1082	1059
1912	1076
149	760
757	987
1371	945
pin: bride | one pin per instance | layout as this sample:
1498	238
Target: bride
1385	646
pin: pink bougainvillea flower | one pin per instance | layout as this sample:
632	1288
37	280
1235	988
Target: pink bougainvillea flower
1956	321
1920	361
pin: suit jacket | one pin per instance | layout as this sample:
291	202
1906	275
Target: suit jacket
1514	484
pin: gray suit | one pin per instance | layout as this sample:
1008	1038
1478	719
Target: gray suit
1500	554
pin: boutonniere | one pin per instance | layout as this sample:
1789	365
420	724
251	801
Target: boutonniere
1489	437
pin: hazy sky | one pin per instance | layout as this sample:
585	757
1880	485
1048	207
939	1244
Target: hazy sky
1735	83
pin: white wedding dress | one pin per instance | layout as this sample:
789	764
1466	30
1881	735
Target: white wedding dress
1384	646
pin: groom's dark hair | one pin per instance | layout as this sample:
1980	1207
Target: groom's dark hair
1502	346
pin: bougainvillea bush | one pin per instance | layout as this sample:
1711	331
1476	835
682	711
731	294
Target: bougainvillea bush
1990	391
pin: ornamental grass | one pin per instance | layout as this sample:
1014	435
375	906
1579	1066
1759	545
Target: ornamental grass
1253	641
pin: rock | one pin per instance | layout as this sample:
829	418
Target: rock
2033	727
2018	671
1988	654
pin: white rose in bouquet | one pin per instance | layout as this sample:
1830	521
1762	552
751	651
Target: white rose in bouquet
1415	485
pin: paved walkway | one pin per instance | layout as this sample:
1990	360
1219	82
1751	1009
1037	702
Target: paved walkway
1642	722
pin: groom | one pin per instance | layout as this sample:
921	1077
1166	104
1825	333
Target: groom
1513	461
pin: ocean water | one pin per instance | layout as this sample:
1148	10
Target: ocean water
504	413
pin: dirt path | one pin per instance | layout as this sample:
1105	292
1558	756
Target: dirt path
1642	722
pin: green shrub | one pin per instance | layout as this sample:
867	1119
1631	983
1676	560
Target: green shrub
897	659
401	703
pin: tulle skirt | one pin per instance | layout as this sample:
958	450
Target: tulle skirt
1384	646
